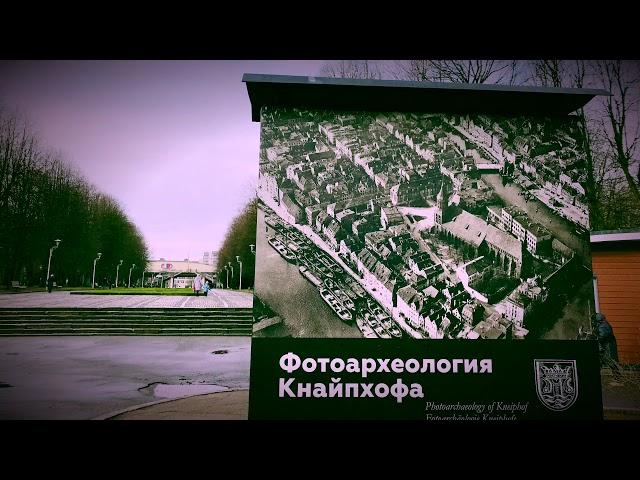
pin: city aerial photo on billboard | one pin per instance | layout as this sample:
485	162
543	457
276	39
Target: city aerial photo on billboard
421	225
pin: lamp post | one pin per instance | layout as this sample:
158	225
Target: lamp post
93	278
238	260
118	271
50	254
253	248
132	267
231	267
143	272
227	269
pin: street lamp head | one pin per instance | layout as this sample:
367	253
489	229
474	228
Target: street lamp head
252	247
238	258
99	255
57	240
121	262
133	266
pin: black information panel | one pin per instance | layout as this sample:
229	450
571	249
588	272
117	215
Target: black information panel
432	380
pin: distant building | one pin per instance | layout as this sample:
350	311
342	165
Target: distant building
468	228
521	301
474	231
417	191
176	273
178	266
293	212
537	238
210	258
507	249
494	327
390	216
185	279
442	202
472	313
517	307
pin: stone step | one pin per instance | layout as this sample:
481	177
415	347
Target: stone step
126	321
35	325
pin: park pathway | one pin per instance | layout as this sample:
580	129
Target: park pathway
217	298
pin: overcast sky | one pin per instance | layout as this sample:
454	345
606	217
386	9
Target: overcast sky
172	141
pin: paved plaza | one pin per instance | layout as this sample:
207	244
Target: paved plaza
217	298
90	377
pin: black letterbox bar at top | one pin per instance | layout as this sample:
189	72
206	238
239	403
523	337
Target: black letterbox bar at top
397	95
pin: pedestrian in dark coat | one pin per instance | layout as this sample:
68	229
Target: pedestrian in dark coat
606	343
50	282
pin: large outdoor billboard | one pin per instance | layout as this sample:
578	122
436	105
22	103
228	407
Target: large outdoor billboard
399	228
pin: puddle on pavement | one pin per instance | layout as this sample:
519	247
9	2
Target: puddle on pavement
163	390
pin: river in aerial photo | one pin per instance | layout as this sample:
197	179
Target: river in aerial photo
281	286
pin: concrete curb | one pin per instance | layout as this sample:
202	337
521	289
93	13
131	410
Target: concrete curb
624	410
107	416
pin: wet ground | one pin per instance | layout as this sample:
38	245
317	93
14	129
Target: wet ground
218	406
621	396
87	377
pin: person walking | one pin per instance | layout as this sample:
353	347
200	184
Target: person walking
50	282
607	344
197	284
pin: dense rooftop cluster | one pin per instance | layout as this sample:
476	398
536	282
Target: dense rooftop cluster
400	197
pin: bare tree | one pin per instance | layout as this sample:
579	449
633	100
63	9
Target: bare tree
594	183
575	74
459	71
416	70
365	69
621	122
549	73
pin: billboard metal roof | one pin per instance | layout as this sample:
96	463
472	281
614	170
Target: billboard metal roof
399	95
615	235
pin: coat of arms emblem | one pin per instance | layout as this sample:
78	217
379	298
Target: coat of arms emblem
556	383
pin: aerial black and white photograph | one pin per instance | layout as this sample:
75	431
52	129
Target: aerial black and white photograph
421	225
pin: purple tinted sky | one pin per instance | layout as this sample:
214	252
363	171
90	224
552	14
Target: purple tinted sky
172	141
